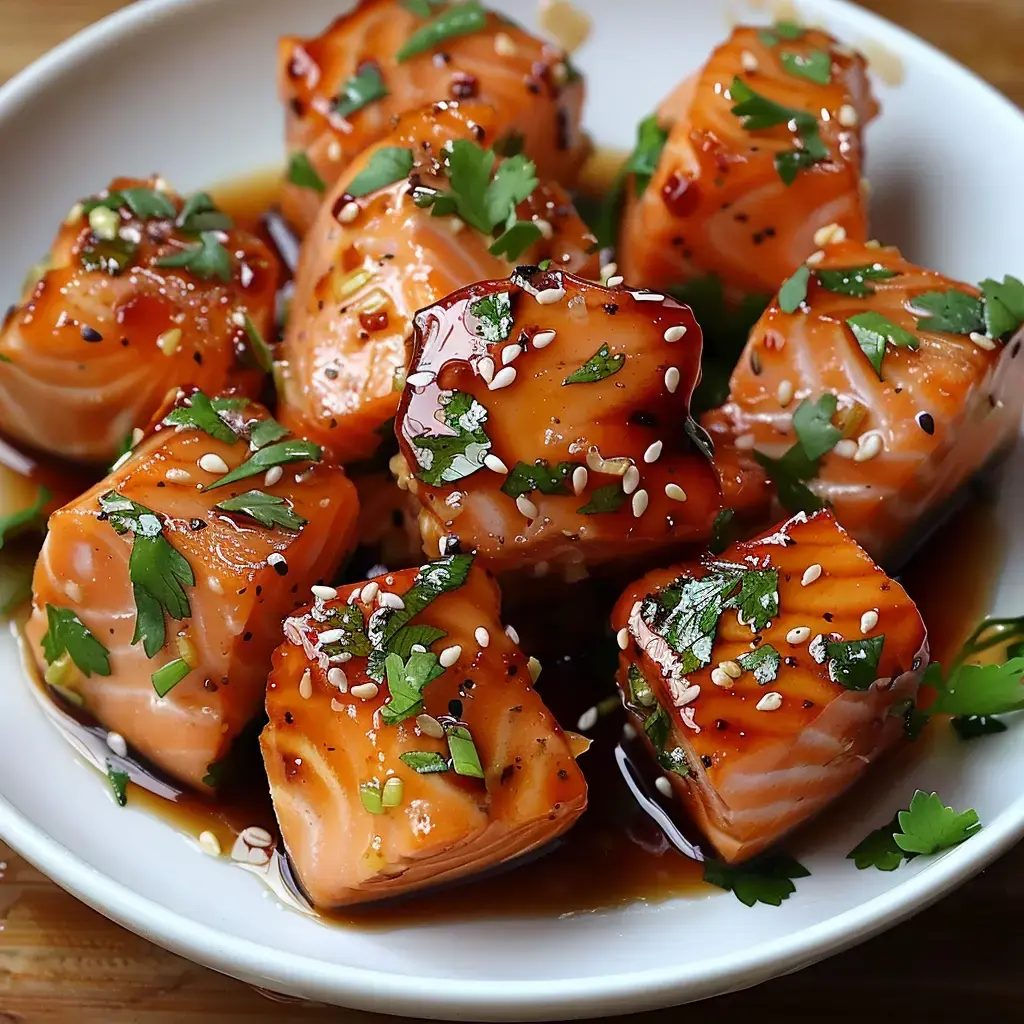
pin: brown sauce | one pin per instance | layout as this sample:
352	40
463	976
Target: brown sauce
615	854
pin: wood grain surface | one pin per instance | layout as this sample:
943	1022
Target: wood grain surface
61	963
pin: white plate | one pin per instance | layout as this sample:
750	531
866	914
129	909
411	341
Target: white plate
187	88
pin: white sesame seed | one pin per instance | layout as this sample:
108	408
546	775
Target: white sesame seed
526	506
614	282
209	843
117	744
504	45
104	223
544	227
749	61
770	702
306	685
868	446
485	367
731	668
323	593
648	296
331	636
334	150
674	334
337	678
348	213
587	720
640	500
170	341
579	480
663	785
512	633
785	393
455	224
653	452
798	635
482	637
494	464
533	666
543	338
868	620
745	442
848	116
675	492
338	707
450	655
811	573
982	342
829	233
672	379
631	480
211	463
622	638
137	435
846	448
510	353
549	296
388	600
721	678
503	378
178	476
272	476
369	592
421	378
609	270
688	696
364	691
815	257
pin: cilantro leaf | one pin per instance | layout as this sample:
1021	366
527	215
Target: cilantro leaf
872	331
267	509
599	366
465	759
541	476
1004	306
757	599
200	213
407	637
928	826
609	498
445	458
793	293
977	690
643	161
970	727
111	257
815	65
201	414
364	87
460	19
386	166
514	181
118	784
757	112
406	683
722	531
158	571
149	204
266	432
854	280
515	240
26	518
766	879
354	641
763	661
659	731
789	30
281	454
812	422
425	762
493	315
66	633
952	311
878	849
206	260
854	663
301	172
167	677
641	695
421	8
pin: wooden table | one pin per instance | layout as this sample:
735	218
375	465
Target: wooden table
60	962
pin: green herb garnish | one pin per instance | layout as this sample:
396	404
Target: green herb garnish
363	88
29	518
952	311
445	458
815	65
118	784
145	203
494	316
406	683
111	257
609	498
354	640
1004	306
201	414
766	879
599	366
386	166
788	30
425	762
206	260
854	663
643	161
515	239
928	826
541	476
267	509
301	172
167	677
465	759
66	633
854	280
659	730
763	662
281	454
259	350
460	19
970	727
794	291
200	213
641	695
878	849
266	432
872	331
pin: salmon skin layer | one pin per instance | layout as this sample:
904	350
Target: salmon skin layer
370	262
854	391
143	291
752	160
159	594
767	679
545	420
406	746
343	89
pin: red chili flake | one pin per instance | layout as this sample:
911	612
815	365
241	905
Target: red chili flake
463	86
377	321
680	194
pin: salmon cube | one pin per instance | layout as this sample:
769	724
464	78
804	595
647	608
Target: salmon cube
158	595
406	745
765	680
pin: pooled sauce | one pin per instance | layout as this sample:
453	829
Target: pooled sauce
615	854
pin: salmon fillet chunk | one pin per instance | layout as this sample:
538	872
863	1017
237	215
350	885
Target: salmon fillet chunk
765	680
411	219
158	595
143	291
746	162
406	745
545	421
343	89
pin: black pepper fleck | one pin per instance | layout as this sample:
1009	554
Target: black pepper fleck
91	334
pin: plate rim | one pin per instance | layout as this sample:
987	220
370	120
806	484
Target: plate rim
376	990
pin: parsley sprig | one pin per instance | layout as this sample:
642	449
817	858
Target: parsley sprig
445	458
600	365
206	260
460	19
363	88
268	510
67	634
766	879
283	453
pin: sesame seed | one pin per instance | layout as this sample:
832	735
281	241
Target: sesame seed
653	452
455	224
672	379
982	342
648	296
503	378
337	678
272	476
721	678
868	446
811	573
512	633
614	282
450	655
322	593
579	480
640	500
549	296
170	341
104	223
815	258
748	61
533	666
306	685
770	702
674	334
543	338
587	720
421	378
338	707
485	367
631	480
526	506
846	448
785	392
277	562
348	213
868	620
494	464
116	743
745	442
675	492
663	785
388	600
334	150
430	726
848	116
504	45
560	73
622	638
211	463
731	668
609	270
829	233
688	696
369	592
510	353
798	635
544	227
365	691
209	843
178	476
482	637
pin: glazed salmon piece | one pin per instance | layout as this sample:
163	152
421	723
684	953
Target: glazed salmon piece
343	89
406	745
159	593
766	680
545	422
143	291
746	162
909	395
371	261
